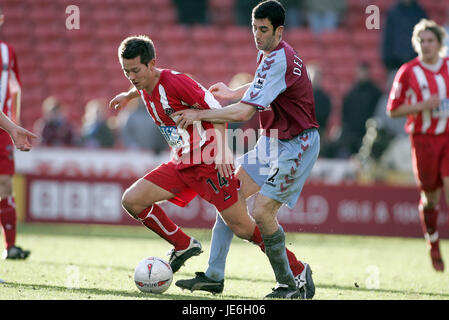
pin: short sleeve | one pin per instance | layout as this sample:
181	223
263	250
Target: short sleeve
15	66
269	81
192	93
399	89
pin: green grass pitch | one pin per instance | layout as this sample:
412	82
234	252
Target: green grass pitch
97	262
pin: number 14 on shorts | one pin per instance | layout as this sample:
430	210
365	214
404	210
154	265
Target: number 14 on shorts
222	182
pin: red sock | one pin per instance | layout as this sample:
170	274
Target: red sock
295	265
154	218
8	220
428	219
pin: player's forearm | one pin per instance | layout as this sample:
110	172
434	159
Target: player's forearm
240	91
407	109
132	93
6	123
238	112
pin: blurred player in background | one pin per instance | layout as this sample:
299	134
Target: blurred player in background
282	93
189	173
10	105
420	92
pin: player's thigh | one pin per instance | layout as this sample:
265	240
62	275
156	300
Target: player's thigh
426	155
290	170
5	185
6	164
238	219
248	186
254	168
142	194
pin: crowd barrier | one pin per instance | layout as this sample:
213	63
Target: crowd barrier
86	186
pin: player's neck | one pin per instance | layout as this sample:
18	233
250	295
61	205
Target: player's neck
430	61
266	53
154	81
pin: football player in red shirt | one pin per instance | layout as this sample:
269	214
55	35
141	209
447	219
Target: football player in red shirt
420	92
191	171
10	106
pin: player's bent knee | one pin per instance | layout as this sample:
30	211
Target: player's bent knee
131	203
5	186
258	216
429	200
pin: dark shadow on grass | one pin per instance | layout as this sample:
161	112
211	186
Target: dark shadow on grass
118	293
191	296
179	275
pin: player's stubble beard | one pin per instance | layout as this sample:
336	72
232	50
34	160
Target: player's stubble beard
268	45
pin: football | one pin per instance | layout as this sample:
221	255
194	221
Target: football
153	275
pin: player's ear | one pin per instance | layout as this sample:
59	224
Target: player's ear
151	64
279	31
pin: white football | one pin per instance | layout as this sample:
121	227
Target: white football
153	275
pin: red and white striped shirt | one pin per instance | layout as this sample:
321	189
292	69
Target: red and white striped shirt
174	92
9	71
416	82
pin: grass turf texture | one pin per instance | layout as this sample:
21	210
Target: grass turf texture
97	262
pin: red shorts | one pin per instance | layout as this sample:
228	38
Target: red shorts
6	154
202	179
430	157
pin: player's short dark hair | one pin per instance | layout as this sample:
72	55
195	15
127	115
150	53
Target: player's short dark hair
136	46
272	10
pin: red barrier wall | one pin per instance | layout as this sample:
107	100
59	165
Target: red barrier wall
342	209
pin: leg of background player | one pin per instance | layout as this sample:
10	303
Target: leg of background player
8	220
428	213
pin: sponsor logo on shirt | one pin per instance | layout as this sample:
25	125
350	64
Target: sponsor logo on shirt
262	75
171	135
168	111
259	83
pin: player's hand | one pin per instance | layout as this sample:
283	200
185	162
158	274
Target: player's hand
222	91
22	138
185	118
119	101
432	103
224	163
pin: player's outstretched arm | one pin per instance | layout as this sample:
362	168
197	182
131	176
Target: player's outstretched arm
237	112
222	91
122	99
20	136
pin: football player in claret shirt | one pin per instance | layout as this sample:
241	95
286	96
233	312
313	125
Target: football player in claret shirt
420	92
10	106
282	94
192	171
